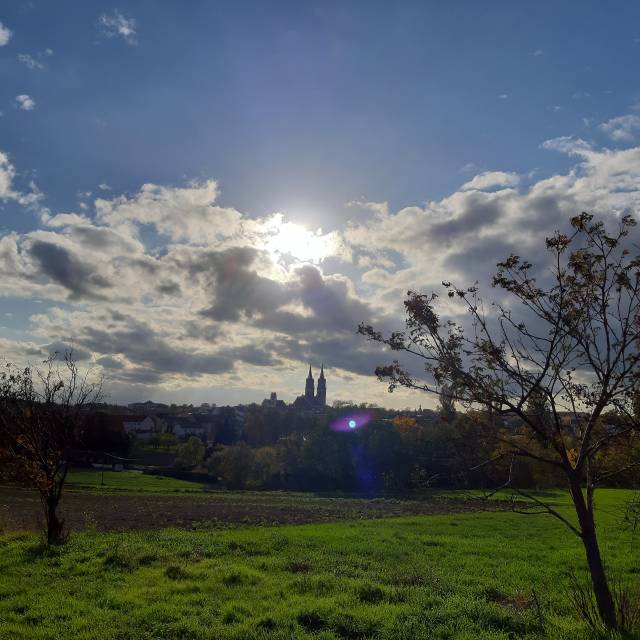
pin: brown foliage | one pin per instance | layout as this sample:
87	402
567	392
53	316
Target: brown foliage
42	413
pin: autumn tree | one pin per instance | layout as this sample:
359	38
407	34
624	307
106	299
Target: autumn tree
557	354
42	416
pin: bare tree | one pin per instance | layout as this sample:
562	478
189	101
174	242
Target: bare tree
571	356
42	413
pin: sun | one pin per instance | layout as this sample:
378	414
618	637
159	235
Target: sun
286	238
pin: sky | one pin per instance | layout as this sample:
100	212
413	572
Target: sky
206	197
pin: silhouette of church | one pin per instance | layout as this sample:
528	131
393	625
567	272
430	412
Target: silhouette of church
312	400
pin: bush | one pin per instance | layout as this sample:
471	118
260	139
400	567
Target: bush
232	464
190	454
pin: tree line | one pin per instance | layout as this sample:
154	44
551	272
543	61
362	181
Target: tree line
400	454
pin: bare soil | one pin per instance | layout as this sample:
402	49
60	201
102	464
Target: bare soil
20	509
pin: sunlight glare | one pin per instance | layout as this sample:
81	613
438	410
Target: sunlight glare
292	239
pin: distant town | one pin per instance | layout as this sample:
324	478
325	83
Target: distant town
162	425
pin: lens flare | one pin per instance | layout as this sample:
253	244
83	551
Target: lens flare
351	421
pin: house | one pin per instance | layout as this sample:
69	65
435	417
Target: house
184	429
144	429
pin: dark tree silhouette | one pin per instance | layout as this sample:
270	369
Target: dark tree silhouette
571	356
42	413
447	406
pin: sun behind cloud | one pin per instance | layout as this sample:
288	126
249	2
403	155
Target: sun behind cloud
285	238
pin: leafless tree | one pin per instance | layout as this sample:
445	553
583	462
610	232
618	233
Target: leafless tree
42	413
571	356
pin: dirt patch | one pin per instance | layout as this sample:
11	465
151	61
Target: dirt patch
20	509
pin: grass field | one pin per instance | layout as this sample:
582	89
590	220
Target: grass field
465	576
128	481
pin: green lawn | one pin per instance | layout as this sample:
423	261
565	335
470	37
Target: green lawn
128	481
470	576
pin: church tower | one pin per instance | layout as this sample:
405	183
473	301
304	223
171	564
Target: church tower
321	398
309	389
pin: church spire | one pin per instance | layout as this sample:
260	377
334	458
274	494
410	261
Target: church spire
321	397
309	388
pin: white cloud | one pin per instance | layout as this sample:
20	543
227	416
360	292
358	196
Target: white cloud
178	213
503	96
34	61
537	53
622	128
377	208
116	24
5	35
491	179
64	220
29	61
7	174
7	190
567	144
25	102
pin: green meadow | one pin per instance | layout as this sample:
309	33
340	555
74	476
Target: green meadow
128	481
495	575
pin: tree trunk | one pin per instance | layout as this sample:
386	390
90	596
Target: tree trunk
54	524
601	591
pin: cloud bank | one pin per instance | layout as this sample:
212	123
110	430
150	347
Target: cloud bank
165	288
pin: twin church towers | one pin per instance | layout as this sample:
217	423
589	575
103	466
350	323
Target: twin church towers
310	395
313	400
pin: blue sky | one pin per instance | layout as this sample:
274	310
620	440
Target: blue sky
291	107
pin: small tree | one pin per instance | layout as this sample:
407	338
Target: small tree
266	467
42	415
167	440
571	356
232	464
191	453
